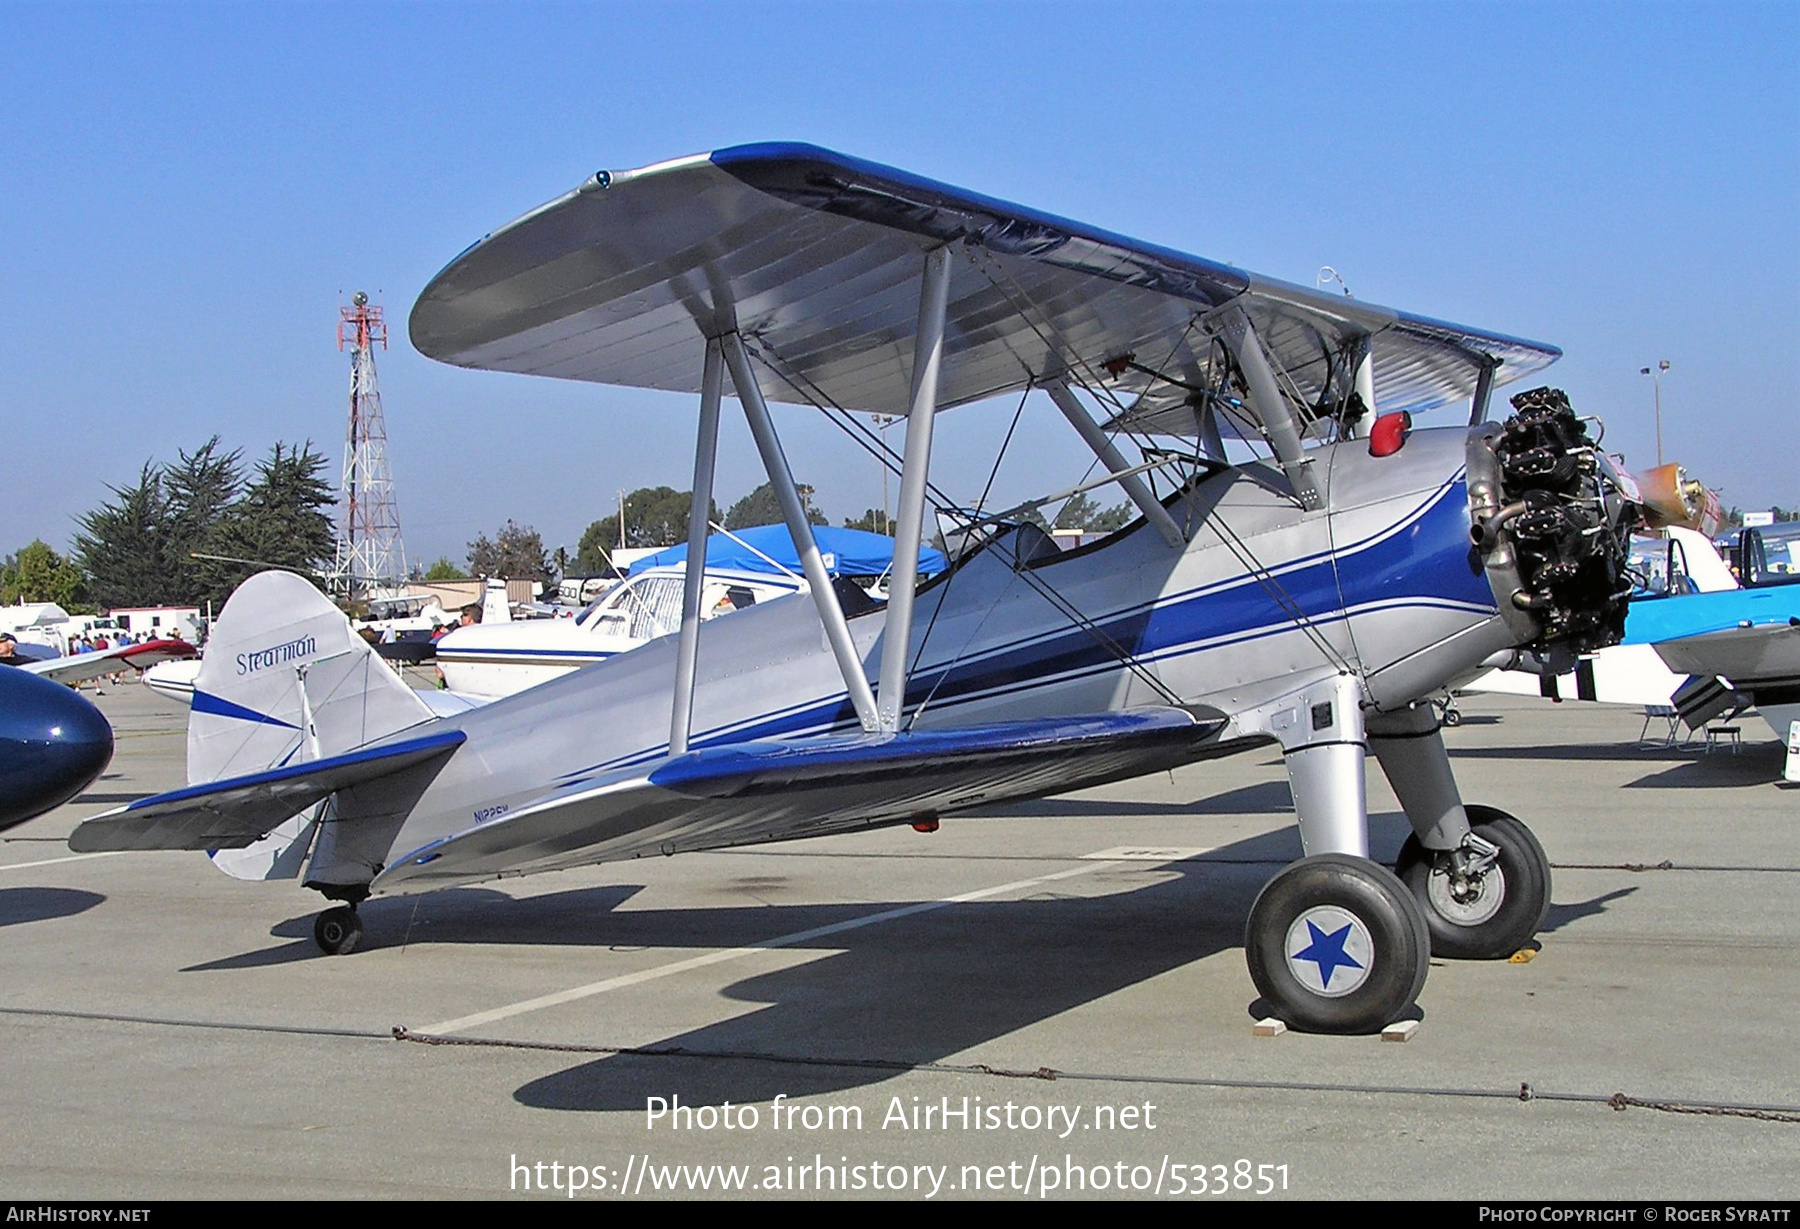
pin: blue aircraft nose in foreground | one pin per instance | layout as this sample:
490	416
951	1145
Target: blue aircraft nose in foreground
52	743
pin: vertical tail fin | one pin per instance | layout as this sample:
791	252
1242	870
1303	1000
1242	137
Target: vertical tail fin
285	679
494	606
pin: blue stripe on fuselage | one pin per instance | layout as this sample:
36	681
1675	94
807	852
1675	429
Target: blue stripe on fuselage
1424	560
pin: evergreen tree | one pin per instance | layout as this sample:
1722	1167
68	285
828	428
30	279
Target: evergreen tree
279	522
1085	513
873	520
1116	517
760	507
515	553
654	516
1076	511
121	545
138	549
199	489
443	569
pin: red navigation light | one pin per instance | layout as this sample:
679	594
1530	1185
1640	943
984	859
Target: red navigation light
1389	433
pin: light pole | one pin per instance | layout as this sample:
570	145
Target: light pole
1657	376
883	422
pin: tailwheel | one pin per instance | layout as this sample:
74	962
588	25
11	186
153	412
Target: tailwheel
1336	944
337	931
1486	899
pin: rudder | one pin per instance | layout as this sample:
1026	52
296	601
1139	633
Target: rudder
285	680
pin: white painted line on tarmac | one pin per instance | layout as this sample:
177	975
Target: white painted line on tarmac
560	997
74	857
1150	853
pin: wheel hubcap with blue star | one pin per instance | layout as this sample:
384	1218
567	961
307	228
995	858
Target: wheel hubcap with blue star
1329	951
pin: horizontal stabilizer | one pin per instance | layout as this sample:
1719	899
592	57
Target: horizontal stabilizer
763	791
237	811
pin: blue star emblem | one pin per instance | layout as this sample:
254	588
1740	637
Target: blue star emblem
1327	951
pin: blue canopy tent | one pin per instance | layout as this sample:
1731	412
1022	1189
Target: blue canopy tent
847	552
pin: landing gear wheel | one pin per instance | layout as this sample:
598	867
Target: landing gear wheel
337	931
1336	944
1487	916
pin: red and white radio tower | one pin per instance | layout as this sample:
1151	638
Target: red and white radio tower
369	551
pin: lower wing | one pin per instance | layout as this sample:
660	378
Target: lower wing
769	791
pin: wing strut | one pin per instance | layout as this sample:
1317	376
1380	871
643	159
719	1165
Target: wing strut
1484	388
1271	407
831	614
1109	455
909	528
706	451
1364	379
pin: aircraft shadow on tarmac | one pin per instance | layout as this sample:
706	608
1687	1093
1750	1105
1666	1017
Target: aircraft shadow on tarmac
925	988
1575	751
889	996
18	905
1756	764
585	917
1266	798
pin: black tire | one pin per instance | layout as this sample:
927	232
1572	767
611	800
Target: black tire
1510	904
1452	717
337	931
1373	964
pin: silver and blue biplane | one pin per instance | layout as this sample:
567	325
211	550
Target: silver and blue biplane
1312	600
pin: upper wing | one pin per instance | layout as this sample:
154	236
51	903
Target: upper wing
84	666
815	259
754	792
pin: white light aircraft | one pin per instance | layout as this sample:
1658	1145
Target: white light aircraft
485	662
489	662
1312	601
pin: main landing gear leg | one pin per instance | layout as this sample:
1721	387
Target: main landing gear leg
1480	875
1335	942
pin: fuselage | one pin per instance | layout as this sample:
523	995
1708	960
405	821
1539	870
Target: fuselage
1380	583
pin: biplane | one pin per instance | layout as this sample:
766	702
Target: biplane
1304	571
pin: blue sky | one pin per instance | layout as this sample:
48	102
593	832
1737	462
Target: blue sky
193	189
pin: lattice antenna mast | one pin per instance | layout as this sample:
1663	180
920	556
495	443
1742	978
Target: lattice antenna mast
370	552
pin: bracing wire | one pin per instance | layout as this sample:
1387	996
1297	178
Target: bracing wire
872	443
